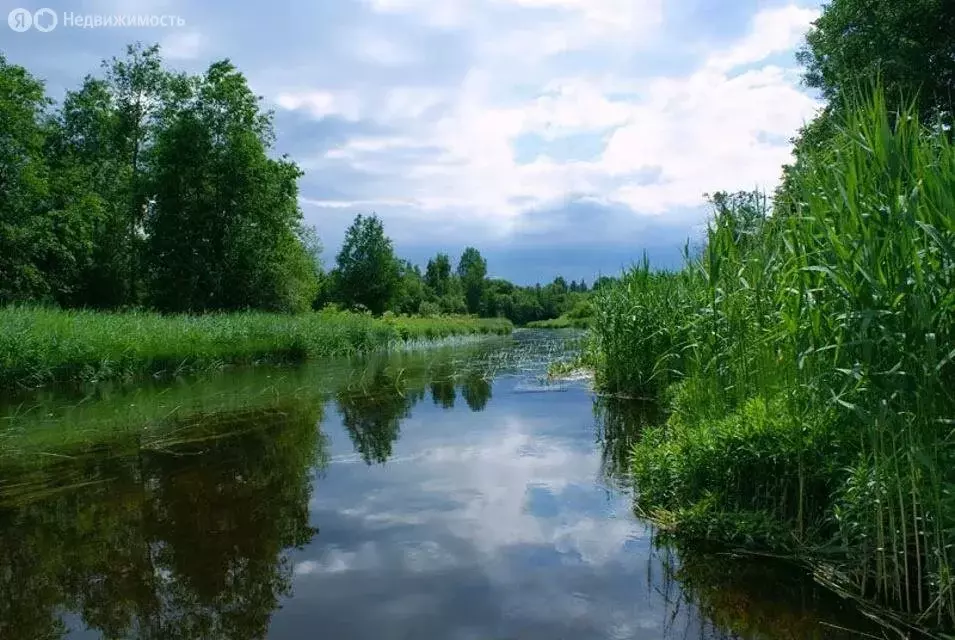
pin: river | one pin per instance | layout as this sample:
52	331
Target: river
445	492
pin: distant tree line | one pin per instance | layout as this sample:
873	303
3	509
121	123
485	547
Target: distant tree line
369	275
146	187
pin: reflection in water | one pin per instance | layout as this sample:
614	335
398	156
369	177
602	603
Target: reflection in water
442	386
373	413
752	599
373	404
186	542
476	390
491	519
618	425
718	595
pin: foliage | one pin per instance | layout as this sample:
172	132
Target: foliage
40	346
580	317
368	272
807	360
905	45
472	269
908	44
26	237
224	228
147	186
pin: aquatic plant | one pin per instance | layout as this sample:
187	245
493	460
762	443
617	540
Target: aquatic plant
39	346
806	356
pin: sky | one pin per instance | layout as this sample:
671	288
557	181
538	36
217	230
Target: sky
557	136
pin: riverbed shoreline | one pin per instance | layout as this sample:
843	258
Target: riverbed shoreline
41	346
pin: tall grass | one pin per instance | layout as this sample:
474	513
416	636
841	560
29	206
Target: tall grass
807	358
40	346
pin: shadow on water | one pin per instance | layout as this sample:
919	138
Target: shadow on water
724	595
185	540
618	426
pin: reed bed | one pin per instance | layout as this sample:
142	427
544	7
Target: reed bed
806	359
41	346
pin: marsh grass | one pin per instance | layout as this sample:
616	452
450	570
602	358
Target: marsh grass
41	346
806	356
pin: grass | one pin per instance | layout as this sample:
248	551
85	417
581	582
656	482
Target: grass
563	322
43	346
806	359
580	317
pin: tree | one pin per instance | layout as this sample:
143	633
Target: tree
908	44
472	269
368	271
411	292
22	181
225	228
437	275
42	247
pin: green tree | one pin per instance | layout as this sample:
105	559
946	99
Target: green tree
24	229
472	269
225	228
907	43
411	292
437	275
368	272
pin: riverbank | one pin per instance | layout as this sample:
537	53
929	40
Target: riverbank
43	346
563	322
805	360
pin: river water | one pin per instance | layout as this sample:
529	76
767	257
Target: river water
441	493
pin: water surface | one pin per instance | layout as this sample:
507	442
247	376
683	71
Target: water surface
446	493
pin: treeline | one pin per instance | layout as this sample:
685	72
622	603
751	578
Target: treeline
805	355
146	187
149	188
368	275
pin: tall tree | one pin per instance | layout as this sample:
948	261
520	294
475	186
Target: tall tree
437	275
41	245
908	43
472	269
23	182
367	272
225	228
411	291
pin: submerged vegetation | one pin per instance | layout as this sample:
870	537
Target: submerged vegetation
806	356
40	346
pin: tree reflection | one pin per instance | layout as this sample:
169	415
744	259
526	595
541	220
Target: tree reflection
372	411
442	385
476	390
727	596
618	425
184	541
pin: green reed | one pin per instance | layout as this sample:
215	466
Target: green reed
39	346
806	355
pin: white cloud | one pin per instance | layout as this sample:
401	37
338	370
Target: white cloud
718	127
373	46
773	31
182	45
483	488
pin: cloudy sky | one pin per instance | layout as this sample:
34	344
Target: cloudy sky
558	136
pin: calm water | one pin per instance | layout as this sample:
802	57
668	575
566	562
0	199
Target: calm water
449	493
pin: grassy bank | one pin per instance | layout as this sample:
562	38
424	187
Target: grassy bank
40	346
563	322
806	359
580	317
